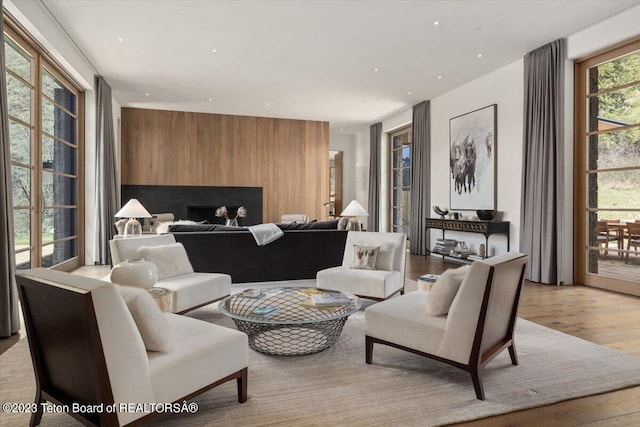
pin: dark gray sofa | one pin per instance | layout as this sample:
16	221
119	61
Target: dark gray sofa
299	254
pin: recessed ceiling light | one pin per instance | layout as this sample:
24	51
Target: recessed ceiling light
340	129
439	77
375	69
266	103
213	50
477	29
210	99
324	108
120	39
408	93
479	55
436	23
146	94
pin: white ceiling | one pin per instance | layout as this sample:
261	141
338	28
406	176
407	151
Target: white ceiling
312	60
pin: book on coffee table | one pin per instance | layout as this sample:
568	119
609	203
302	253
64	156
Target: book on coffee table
330	299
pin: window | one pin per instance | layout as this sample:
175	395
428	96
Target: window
608	168
401	146
45	116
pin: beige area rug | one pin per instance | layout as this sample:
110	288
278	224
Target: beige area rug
336	387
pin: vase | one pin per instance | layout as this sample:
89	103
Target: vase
136	272
231	222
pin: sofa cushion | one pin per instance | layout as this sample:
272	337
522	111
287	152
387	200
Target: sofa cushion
194	289
365	257
171	259
373	283
203	354
151	323
397	320
444	290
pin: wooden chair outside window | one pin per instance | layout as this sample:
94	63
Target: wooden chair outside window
605	236
633	236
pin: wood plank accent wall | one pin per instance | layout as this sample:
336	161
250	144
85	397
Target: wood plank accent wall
289	159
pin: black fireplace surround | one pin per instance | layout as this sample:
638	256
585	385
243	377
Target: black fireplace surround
197	203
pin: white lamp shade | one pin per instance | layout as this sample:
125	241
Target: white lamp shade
354	209
133	209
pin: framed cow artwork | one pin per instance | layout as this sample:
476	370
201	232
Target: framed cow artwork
472	162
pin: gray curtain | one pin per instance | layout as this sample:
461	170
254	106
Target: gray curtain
374	177
9	319
420	176
543	160
107	191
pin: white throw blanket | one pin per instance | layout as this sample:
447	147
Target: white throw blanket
265	233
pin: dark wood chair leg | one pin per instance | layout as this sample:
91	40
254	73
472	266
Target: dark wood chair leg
476	377
368	352
37	416
242	385
513	353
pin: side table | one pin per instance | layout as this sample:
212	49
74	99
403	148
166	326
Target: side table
164	298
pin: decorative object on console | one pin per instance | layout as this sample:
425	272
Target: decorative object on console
486	215
354	210
441	211
472	159
133	210
221	212
331	206
136	272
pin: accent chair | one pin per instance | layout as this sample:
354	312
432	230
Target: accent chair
479	325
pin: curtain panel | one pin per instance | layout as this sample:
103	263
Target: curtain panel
9	319
374	177
420	162
542	168
107	189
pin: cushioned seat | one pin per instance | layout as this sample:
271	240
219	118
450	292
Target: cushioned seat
398	318
370	283
387	277
192	290
201	351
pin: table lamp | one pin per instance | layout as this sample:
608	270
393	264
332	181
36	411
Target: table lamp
354	210
132	210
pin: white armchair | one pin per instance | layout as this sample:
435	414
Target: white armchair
479	325
191	290
87	347
385	280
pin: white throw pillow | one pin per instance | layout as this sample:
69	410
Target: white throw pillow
364	257
384	261
444	290
171	259
151	322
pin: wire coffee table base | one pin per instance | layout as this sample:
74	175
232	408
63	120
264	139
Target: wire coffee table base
294	328
292	340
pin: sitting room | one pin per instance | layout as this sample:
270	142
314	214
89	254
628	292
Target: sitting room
320	213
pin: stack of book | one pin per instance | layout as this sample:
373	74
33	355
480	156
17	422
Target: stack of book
330	299
445	246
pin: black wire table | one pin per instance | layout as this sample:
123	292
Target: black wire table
286	323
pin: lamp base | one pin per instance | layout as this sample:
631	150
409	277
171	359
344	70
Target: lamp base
354	225
132	228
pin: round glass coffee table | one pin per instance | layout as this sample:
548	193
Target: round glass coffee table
284	322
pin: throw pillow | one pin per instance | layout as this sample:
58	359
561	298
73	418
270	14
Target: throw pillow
444	290
151	322
171	259
343	222
364	257
120	225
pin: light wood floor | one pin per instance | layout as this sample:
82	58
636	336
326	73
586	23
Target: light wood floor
598	316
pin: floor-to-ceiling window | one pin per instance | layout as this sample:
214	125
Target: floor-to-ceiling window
45	134
608	169
401	146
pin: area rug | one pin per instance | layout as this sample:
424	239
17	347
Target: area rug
336	387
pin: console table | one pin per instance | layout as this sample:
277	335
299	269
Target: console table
486	228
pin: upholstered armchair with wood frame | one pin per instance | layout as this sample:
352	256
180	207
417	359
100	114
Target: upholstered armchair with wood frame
385	279
88	346
633	239
479	325
605	236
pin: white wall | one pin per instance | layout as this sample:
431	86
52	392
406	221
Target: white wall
503	87
39	23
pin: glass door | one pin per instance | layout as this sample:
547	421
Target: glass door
608	169
401	146
44	136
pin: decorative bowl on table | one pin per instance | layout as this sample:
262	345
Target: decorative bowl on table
441	212
486	215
